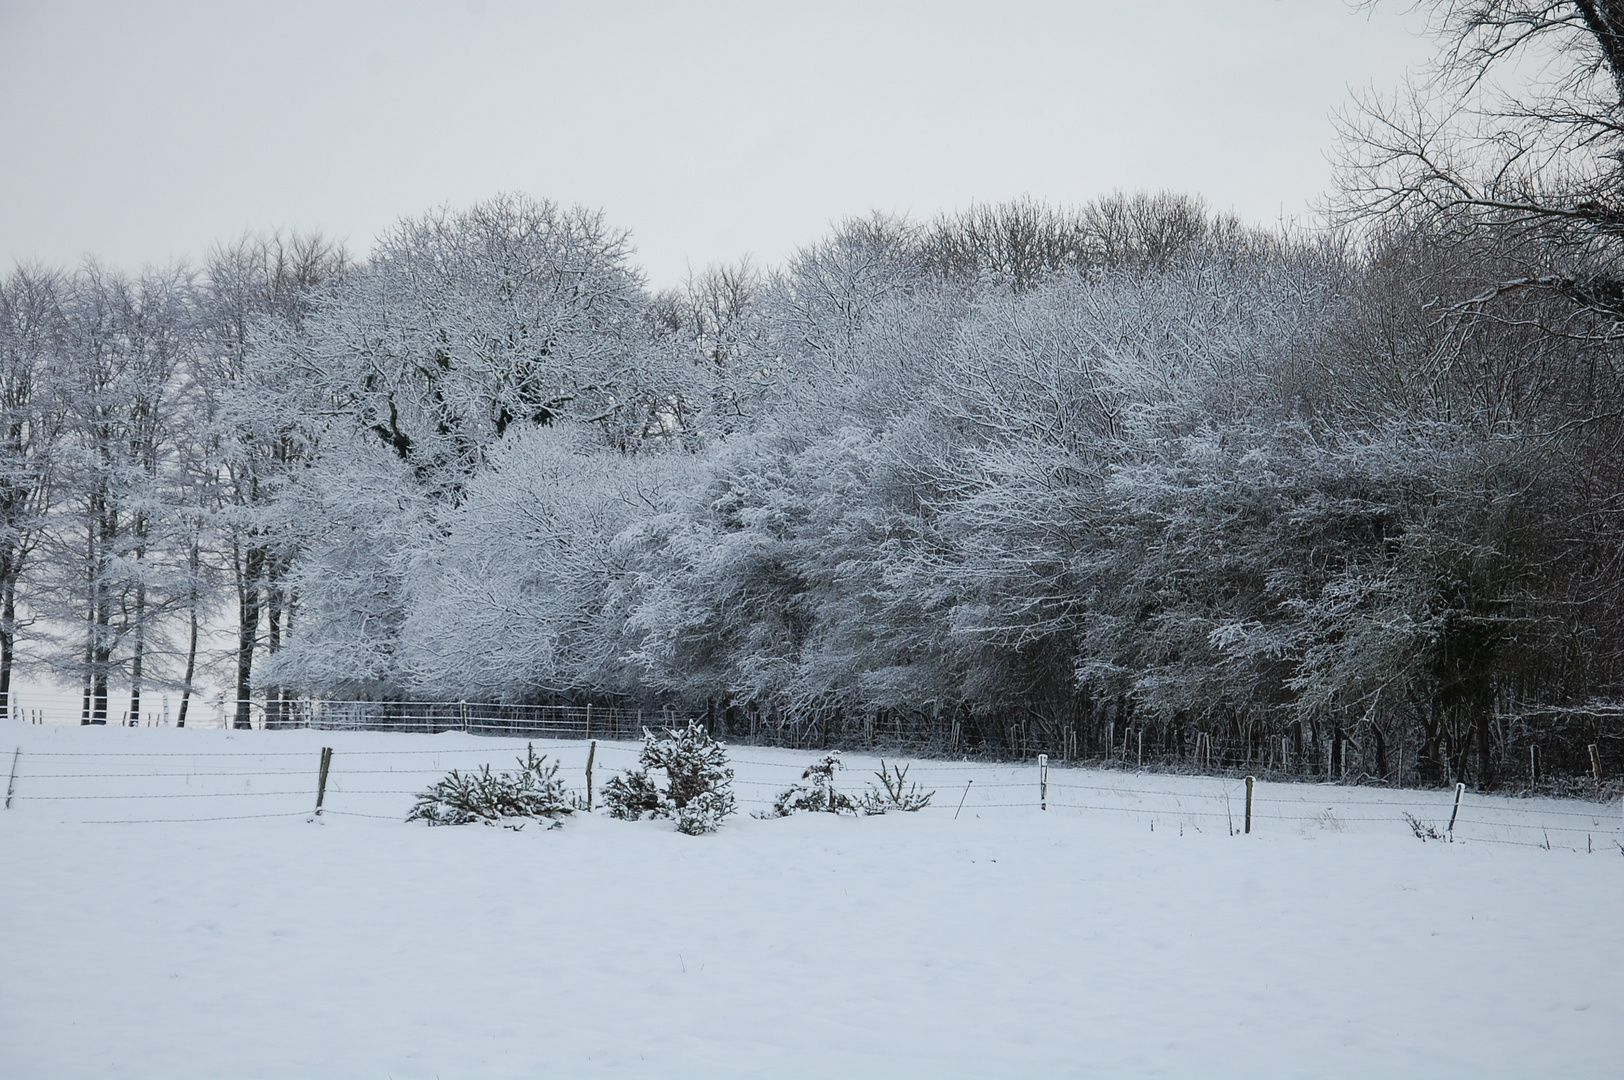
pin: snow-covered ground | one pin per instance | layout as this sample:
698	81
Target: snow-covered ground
1124	932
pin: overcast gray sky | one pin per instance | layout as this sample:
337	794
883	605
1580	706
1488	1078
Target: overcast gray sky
142	132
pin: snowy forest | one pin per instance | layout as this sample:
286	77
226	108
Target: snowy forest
1021	476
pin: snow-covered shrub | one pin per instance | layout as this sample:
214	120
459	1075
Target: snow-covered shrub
698	782
632	794
704	813
818	795
894	792
534	791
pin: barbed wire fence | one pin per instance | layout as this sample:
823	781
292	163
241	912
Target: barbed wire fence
173	786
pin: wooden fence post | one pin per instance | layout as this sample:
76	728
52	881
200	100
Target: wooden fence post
1043	781
591	752
1250	781
11	784
1595	762
1533	765
966	795
1460	789
321	781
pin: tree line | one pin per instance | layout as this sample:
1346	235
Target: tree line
1019	477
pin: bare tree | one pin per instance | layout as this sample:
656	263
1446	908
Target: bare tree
1516	132
30	426
257	287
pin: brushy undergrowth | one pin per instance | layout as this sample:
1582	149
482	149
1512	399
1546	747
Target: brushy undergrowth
818	792
533	791
894	792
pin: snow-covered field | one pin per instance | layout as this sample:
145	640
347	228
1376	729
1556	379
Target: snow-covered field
1124	932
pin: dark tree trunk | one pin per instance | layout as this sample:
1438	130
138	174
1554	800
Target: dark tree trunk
8	642
139	655
248	605
191	670
273	642
1485	750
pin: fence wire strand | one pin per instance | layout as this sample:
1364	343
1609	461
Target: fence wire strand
1137	800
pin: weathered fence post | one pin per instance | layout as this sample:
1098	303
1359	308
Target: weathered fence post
321	781
1460	789
588	720
1250	781
1595	762
966	795
1141	762
591	752
1043	781
11	784
1533	765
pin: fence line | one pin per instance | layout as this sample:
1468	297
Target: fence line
1308	754
1156	804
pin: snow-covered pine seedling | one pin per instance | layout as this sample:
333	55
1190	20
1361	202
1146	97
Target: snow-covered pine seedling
704	813
698	787
533	791
894	792
820	794
632	794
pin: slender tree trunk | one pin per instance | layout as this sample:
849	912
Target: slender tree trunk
138	659
248	605
194	563
273	641
191	668
90	624
102	656
8	641
1485	750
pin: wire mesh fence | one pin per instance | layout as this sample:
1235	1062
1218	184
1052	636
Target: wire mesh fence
1555	751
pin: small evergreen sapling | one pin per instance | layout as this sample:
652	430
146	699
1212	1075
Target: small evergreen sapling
819	795
894	792
632	794
704	813
698	789
533	791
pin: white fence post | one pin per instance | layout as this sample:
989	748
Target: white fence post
1043	781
